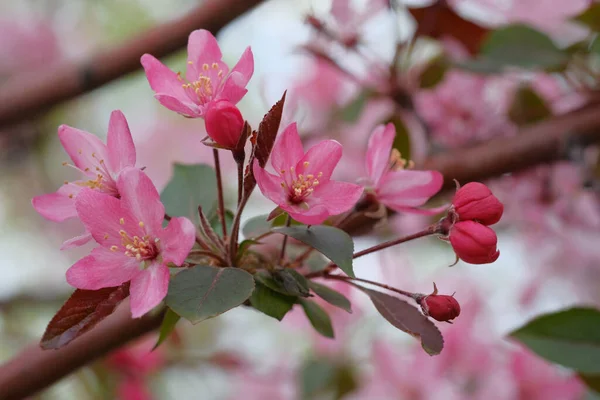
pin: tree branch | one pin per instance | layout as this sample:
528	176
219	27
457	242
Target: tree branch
34	369
26	95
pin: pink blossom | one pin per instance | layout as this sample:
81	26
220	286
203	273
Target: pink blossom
302	184
538	380
394	186
133	244
475	201
133	389
207	78
100	164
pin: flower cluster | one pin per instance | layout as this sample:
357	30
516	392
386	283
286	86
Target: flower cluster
474	208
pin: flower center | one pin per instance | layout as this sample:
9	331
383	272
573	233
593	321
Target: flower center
398	163
299	186
103	182
141	248
203	88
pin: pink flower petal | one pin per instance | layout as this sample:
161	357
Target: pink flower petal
101	214
85	149
313	216
245	66
336	197
161	79
398	189
287	150
140	197
234	88
185	107
57	206
76	241
102	268
378	151
202	48
148	288
422	211
269	184
322	159
121	150
176	240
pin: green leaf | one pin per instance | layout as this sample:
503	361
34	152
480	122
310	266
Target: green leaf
331	296
332	242
402	139
351	111
408	319
570	338
434	73
204	292
292	282
287	282
595	46
592	381
191	186
590	18
259	225
167	327
316	376
518	46
326	378
215	222
528	107
245	245
270	302
318	317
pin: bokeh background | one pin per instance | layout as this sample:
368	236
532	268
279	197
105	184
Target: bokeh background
548	238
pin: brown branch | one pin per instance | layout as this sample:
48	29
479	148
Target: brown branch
33	369
28	94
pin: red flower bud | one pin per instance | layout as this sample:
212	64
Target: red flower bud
474	243
224	123
475	201
440	307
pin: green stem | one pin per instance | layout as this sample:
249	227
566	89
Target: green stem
221	209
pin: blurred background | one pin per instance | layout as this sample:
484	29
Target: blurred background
337	66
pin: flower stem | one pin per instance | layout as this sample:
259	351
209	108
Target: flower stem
381	285
288	222
331	267
235	230
240	173
221	210
426	232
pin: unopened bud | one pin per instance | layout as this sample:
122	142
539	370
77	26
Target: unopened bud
224	123
474	243
475	202
440	307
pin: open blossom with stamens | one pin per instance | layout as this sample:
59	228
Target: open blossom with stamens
396	187
100	164
133	244
207	78
302	184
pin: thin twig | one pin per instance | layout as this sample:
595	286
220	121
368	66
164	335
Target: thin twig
288	222
240	173
426	232
390	288
221	210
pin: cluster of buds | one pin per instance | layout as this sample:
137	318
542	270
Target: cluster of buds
474	208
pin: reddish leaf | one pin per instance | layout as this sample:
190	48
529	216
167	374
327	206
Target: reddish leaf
408	319
262	142
267	131
83	310
439	20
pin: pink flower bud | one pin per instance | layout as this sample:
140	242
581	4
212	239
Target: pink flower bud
440	307
474	243
475	201
224	123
